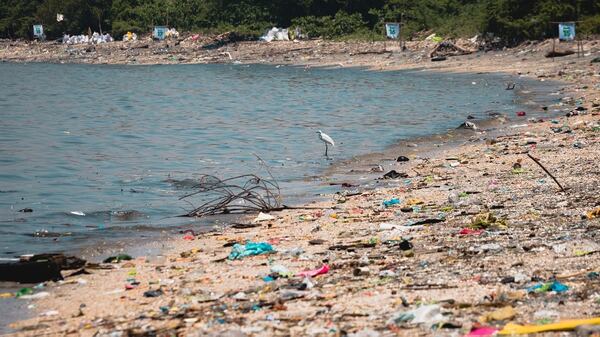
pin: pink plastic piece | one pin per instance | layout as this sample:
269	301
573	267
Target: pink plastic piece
469	231
313	273
483	331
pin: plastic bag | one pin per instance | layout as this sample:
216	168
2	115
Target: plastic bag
250	248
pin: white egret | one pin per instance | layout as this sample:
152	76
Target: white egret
326	139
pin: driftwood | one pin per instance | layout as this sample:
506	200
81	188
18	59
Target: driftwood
556	53
367	52
227	38
248	193
447	48
241	194
39	268
545	170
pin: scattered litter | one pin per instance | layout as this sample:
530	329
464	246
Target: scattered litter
487	220
281	271
469	231
393	174
118	258
426	314
36	296
482	331
276	34
129	36
263	217
312	273
153	293
549	286
24	292
595	213
250	248
96	38
391	202
49	313
502	314
515	329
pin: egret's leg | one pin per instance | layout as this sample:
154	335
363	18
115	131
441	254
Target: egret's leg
326	150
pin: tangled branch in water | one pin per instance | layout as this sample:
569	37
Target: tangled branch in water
242	194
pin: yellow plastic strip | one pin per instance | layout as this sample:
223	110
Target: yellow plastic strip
515	329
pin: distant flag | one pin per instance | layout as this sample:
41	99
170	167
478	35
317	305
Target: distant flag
59	17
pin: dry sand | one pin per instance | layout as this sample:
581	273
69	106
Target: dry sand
542	233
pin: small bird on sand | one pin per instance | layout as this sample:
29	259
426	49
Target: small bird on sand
327	140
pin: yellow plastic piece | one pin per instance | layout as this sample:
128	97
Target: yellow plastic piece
515	329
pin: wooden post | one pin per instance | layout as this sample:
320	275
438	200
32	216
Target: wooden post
400	39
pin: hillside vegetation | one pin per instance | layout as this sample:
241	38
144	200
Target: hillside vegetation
511	20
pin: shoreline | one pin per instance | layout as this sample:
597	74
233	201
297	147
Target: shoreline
356	221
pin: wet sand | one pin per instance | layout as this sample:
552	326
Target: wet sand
386	260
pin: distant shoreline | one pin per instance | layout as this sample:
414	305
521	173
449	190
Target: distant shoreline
379	55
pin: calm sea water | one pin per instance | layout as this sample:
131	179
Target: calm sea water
82	144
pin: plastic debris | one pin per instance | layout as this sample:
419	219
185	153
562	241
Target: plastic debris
23	292
96	38
487	220
482	331
153	293
426	314
276	34
50	313
250	248
469	231
393	174
595	213
295	252
391	202
171	33
36	296
502	314
312	273
413	202
516	329
129	36
263	217
281	271
549	286
118	258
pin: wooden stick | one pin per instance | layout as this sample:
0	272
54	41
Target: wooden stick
545	170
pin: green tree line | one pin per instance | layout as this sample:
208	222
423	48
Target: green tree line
512	20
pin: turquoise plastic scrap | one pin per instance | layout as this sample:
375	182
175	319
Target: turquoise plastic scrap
250	248
391	202
549	286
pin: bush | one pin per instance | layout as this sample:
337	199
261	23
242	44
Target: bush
590	25
342	24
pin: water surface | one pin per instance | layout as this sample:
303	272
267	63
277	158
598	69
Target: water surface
84	145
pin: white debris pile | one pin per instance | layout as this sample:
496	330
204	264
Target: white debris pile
276	34
130	37
79	39
172	33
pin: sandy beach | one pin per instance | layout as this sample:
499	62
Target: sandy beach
475	235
